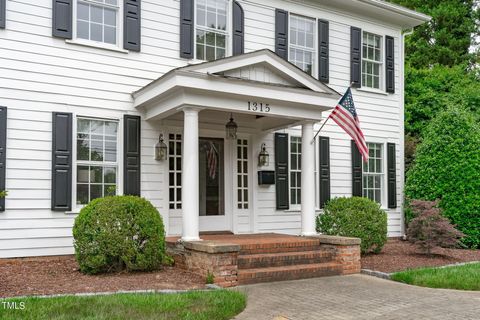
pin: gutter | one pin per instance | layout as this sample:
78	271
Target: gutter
397	9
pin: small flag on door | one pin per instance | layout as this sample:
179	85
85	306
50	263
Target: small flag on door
212	161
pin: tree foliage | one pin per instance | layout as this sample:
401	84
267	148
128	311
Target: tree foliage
447	38
429	229
355	217
430	90
117	233
447	167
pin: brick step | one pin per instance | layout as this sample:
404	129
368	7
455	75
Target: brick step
276	247
295	272
265	260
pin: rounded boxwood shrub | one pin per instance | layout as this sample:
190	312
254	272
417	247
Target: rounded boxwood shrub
355	217
447	168
119	233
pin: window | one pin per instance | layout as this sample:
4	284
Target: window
211	29
175	171
295	170
97	160
371	60
97	20
373	173
242	173
302	44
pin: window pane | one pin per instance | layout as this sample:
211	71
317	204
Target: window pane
110	17
96	14
110	175
210	53
82	174
96	174
82	30
83	11
96	152
82	147
82	194
111	151
210	37
110	190
95	191
96	32
110	35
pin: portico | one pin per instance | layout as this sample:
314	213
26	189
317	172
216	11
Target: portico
263	93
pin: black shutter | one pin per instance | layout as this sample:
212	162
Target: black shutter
62	19
186	29
355	57
390	64
323	51
62	161
238	29
281	33
3	152
132	25
356	171
392	175
3	11
281	170
131	156
324	168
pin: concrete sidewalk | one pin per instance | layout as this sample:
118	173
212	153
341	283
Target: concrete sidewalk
356	297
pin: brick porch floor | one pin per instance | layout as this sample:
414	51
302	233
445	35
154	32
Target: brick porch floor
252	258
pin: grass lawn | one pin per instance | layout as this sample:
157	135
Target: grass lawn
220	304
465	277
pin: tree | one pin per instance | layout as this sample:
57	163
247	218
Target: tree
448	37
447	167
430	90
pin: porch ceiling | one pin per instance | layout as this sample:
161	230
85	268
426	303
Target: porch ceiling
257	84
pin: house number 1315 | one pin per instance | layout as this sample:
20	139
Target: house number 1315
258	106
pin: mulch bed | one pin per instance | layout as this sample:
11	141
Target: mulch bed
60	275
398	255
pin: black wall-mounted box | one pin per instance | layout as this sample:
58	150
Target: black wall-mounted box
266	177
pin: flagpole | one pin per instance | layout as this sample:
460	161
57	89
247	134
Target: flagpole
318	132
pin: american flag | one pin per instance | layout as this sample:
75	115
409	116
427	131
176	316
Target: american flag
212	161
345	115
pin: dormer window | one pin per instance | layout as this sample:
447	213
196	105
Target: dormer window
211	29
97	20
302	43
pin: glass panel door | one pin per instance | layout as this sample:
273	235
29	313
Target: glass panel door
212	177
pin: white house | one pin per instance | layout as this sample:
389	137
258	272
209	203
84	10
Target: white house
88	86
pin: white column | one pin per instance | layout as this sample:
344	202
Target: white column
190	180
308	180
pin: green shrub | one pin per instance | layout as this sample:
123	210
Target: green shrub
447	167
3	194
355	217
119	233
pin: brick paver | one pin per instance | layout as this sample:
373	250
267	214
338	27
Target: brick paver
356	297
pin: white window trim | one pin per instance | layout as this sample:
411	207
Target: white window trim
383	193
75	207
381	80
292	207
315	42
96	44
227	32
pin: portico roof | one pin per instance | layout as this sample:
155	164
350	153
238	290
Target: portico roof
256	83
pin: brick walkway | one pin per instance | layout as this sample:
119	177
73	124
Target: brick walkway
356	297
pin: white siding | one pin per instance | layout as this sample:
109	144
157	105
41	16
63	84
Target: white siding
40	74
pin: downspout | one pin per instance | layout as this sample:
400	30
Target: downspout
405	33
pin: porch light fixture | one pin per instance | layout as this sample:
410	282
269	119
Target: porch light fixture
161	149
263	157
231	128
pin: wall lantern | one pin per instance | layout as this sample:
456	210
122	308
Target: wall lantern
161	149
263	157
231	128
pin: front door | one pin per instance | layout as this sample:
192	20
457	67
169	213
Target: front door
212	178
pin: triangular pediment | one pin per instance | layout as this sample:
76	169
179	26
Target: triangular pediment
261	66
262	72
